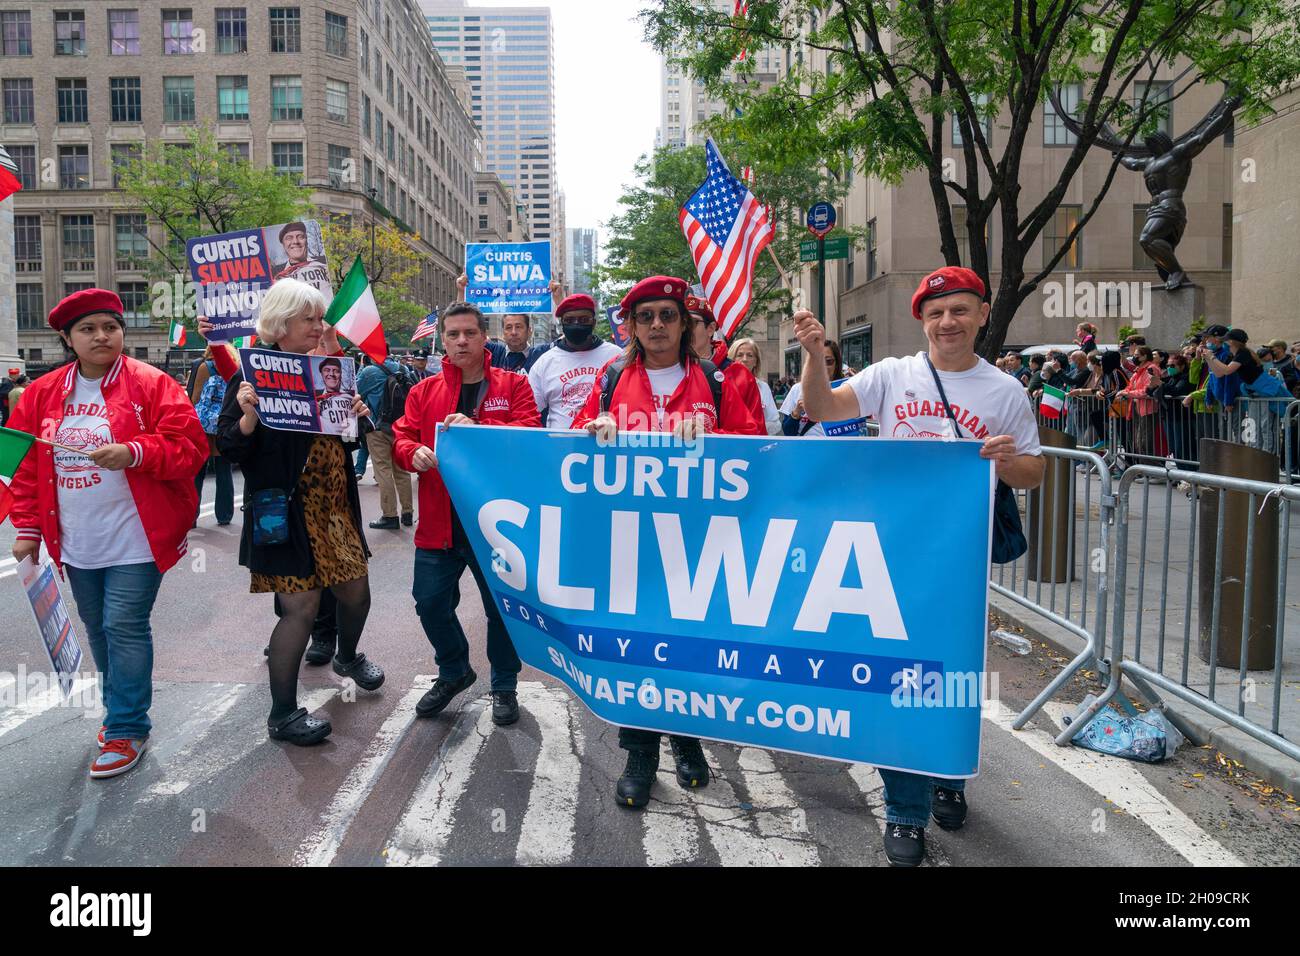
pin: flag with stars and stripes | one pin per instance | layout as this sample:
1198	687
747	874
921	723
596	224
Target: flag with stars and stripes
9	181
427	327
741	11
726	228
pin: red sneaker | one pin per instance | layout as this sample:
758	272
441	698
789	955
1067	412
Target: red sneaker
100	736
118	756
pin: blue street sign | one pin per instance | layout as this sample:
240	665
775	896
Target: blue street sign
821	219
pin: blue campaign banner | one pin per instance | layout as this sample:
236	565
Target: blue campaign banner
617	326
725	589
509	277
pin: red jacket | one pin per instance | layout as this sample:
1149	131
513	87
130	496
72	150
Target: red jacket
508	401
745	383
150	413
691	397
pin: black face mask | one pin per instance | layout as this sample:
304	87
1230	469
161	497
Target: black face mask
577	334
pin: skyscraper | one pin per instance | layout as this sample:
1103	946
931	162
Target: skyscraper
508	54
582	254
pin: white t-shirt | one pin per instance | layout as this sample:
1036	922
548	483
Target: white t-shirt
663	382
98	520
901	395
562	380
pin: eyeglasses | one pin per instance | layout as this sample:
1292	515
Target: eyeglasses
666	316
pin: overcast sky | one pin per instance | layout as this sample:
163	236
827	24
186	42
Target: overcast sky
606	100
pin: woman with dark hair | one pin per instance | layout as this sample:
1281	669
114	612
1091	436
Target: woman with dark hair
1178	422
793	419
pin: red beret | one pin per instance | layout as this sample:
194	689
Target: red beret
943	282
84	303
575	302
700	307
655	287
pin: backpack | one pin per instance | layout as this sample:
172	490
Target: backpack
615	372
392	406
208	407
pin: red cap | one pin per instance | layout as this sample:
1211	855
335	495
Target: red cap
655	287
943	282
697	306
15	371
575	302
84	303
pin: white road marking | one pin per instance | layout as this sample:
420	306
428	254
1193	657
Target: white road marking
546	834
768	789
1125	786
47	699
320	847
421	834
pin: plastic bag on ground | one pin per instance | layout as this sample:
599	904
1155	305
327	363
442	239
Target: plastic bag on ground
1123	732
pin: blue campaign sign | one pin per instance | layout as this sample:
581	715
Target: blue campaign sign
821	218
723	589
617	326
509	277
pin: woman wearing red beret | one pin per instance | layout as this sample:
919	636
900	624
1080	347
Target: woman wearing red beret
113	501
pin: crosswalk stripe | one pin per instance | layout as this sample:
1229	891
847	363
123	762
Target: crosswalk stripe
422	832
46	700
546	834
767	788
324	842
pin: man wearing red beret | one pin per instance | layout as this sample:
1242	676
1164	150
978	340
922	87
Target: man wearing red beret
710	350
561	378
905	397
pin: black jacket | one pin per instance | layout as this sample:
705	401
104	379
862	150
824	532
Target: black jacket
275	459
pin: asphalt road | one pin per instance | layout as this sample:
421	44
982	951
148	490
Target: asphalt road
388	788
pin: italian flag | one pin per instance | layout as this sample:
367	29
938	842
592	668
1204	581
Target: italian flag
14	446
356	317
244	341
1052	404
176	333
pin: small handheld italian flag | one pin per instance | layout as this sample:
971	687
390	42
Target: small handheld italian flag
14	446
1052	404
356	317
176	334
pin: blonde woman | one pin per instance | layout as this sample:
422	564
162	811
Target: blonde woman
745	352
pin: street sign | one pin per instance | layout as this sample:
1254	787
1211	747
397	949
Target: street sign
821	219
837	248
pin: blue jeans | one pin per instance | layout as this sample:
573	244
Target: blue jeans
907	795
363	456
436	590
224	506
114	604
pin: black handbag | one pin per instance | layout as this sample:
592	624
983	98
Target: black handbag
1008	534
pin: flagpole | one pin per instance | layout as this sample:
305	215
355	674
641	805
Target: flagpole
54	444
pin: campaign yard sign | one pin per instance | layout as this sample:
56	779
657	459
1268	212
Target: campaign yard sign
234	270
52	620
617	326
506	277
302	393
721	589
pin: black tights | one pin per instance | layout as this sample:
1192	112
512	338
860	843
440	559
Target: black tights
292	631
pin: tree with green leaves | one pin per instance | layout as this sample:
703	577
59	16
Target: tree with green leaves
391	271
896	70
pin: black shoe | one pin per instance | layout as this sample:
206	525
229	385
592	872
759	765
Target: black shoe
948	807
365	674
633	788
299	728
437	697
266	651
904	844
692	768
408	519
320	651
385	524
505	707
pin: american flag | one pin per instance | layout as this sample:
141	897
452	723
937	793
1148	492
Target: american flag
427	327
9	181
726	228
741	11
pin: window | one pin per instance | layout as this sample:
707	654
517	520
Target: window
238	151
981	100
232	98
286	98
16	32
336	34
19	105
873	263
388	85
483	222
177	31
178	99
232	30
1064	219
392	143
24	158
855	349
69	33
1158	107
79	243
287	158
336	100
286	30
340	166
1054	131
364	42
31	309
135	306
73	107
1140	261
124	97
130	240
365	116
367	174
122	155
1227	235
124	32
27	243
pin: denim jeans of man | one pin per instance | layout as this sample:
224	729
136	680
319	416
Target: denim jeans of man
907	795
224	505
114	605
436	590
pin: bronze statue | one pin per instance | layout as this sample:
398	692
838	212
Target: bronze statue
1165	165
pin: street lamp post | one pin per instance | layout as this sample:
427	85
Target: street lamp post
372	190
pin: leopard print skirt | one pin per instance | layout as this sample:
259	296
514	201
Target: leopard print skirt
335	543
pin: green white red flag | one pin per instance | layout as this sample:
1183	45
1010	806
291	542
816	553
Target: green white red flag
355	316
14	446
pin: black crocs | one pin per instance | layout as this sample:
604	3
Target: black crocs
367	675
300	728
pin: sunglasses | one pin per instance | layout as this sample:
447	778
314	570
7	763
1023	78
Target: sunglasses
666	316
